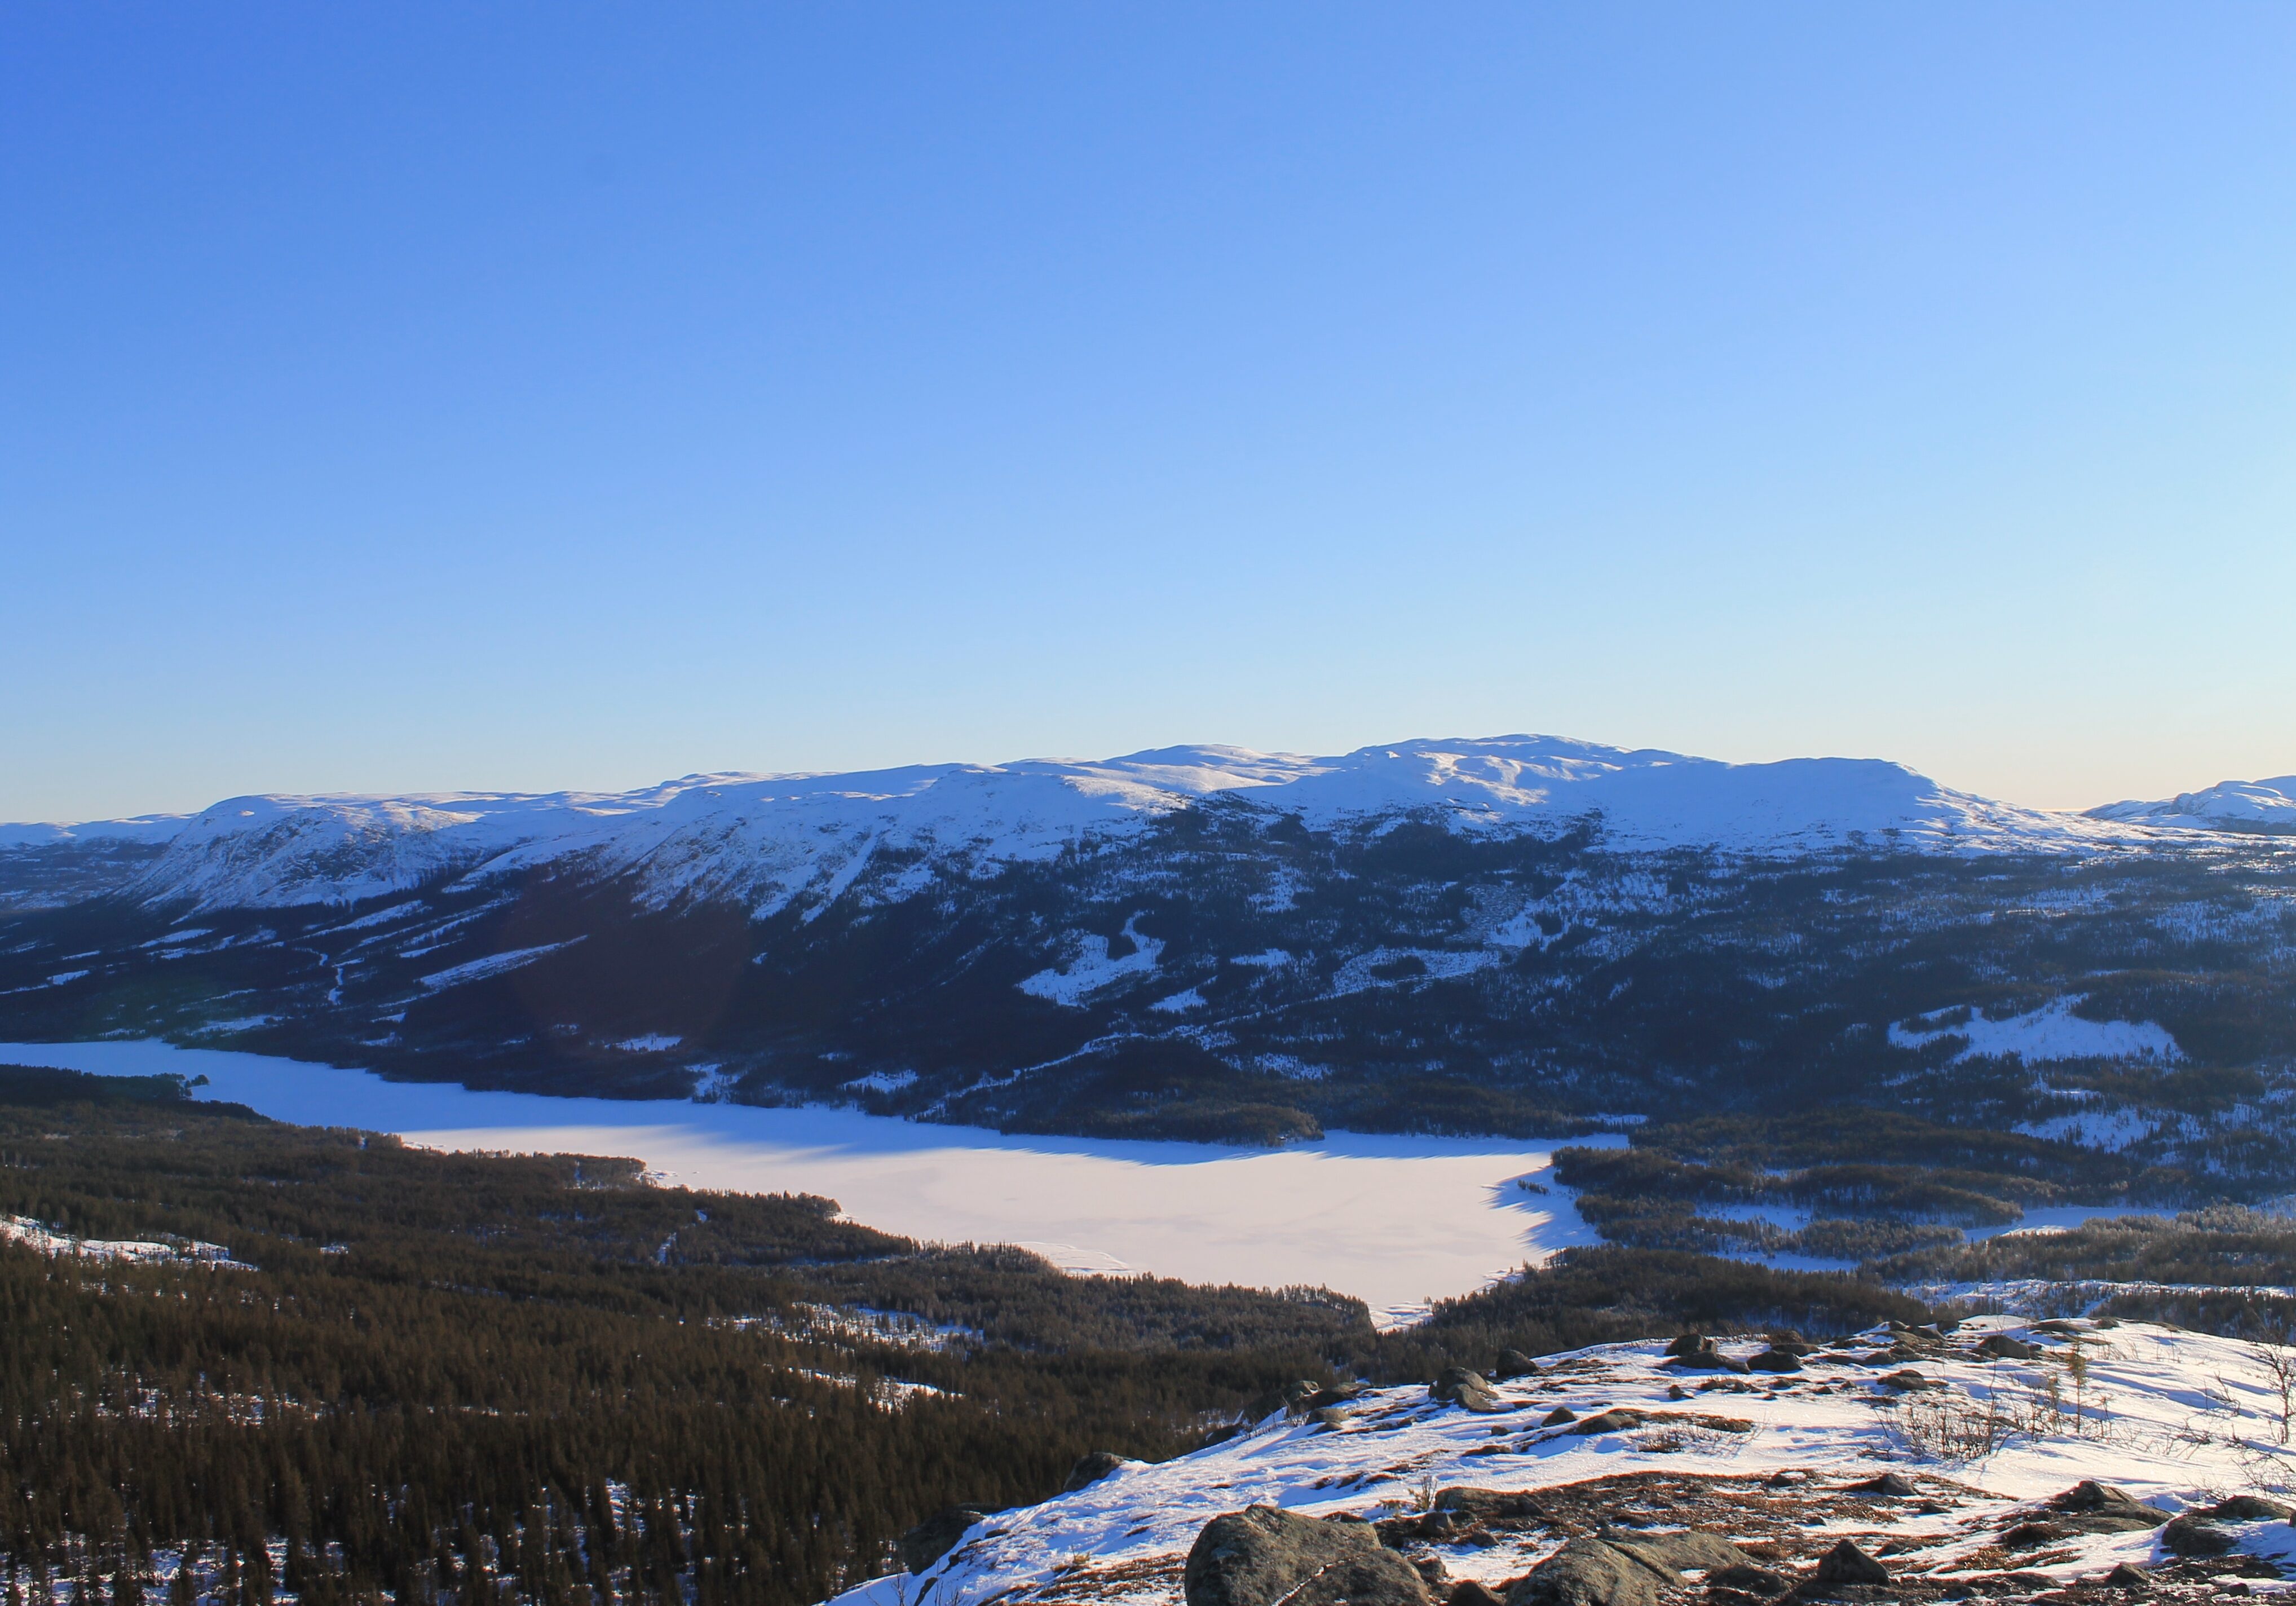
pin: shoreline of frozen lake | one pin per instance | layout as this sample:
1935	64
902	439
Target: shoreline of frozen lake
1394	1220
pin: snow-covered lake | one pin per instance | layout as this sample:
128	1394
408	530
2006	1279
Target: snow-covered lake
1395	1221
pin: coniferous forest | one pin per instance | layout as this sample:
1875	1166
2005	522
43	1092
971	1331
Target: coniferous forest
345	1369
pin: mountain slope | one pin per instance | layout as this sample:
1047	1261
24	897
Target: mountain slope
766	841
1517	935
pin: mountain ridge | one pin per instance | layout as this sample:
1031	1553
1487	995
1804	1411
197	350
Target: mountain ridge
765	838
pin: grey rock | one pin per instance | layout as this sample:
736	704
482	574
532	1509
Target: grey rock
1558	1416
1707	1360
1888	1483
1261	1555
2091	1507
1690	1343
2001	1347
1688	1551
1511	1365
938	1534
1589	1572
1090	1470
1471	1591
2191	1536
2128	1575
1618	1421
1750	1579
2251	1508
1774	1360
1845	1564
1457	1386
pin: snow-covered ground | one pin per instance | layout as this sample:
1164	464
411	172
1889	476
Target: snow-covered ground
53	1241
2051	1032
1394	1221
2177	1418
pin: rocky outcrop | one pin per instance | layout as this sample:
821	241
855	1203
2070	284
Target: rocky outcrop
1261	1555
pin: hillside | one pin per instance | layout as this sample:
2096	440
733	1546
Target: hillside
1954	1461
1512	936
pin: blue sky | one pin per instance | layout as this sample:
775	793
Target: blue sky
414	397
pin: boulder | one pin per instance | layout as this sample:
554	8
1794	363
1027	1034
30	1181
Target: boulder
1261	1555
2128	1575
1467	1389
1289	1397
1750	1579
2032	1536
1689	1343
1511	1365
1489	1505
1686	1552
1090	1470
1888	1483
1618	1421
938	1534
1470	1592
1774	1360
1846	1564
2193	1536
2001	1347
1558	1416
1909	1382
2090	1507
1707	1360
2251	1508
1589	1572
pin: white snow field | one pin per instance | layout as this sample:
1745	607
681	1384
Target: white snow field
1394	1221
770	840
2177	1418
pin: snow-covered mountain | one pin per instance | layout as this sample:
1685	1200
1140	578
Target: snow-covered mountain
1522	933
2268	806
765	841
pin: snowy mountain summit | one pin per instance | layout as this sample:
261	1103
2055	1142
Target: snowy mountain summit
766	840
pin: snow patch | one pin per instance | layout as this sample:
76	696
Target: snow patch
493	964
1092	970
2051	1032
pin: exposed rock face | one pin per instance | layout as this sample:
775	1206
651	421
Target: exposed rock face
938	1534
1260	1556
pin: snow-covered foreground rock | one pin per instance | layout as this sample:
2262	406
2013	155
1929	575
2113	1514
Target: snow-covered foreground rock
1974	1447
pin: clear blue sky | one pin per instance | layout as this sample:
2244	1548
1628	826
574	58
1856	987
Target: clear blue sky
415	396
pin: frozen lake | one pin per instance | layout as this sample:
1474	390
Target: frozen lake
1395	1221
